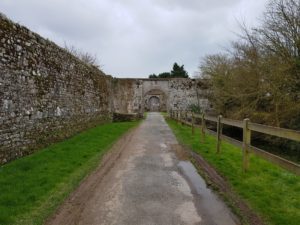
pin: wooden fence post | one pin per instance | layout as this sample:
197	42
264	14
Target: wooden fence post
203	127
246	144
193	122
219	132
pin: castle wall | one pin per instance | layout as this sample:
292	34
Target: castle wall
132	95
46	94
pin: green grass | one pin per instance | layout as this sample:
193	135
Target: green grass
32	187
164	114
271	191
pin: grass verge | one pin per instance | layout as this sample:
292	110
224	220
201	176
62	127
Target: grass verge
271	191
32	187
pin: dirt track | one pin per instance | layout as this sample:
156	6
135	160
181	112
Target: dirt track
143	181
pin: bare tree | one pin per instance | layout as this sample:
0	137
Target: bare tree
260	76
83	56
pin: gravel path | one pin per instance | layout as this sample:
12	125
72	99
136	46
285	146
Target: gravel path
145	181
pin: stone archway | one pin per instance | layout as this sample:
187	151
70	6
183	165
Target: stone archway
155	101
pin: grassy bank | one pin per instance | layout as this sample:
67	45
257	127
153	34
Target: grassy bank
32	187
271	191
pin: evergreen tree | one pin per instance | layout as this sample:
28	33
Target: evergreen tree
153	75
179	71
164	75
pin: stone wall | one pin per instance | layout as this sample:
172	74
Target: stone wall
183	93
126	95
133	95
46	94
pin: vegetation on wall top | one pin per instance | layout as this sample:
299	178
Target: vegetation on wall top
177	71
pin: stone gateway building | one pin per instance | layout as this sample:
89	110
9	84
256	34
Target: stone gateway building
139	95
47	94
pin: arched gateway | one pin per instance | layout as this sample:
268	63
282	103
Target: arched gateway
155	101
140	95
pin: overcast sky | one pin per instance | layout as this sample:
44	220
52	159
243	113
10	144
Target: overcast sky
135	38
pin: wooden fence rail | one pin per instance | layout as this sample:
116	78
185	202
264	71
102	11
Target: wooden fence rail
190	118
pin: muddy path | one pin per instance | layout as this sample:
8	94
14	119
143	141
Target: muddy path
144	180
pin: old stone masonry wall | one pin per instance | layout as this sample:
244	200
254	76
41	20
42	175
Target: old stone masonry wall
46	94
134	95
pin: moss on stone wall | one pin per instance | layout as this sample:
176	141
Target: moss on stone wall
47	94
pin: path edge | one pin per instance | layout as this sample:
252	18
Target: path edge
223	189
105	164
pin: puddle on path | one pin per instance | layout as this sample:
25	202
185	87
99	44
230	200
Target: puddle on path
208	202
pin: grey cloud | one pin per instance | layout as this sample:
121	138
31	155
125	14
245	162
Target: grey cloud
133	37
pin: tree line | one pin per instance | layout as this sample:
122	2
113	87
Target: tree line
177	71
259	76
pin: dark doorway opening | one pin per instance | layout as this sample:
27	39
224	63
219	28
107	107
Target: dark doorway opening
154	104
